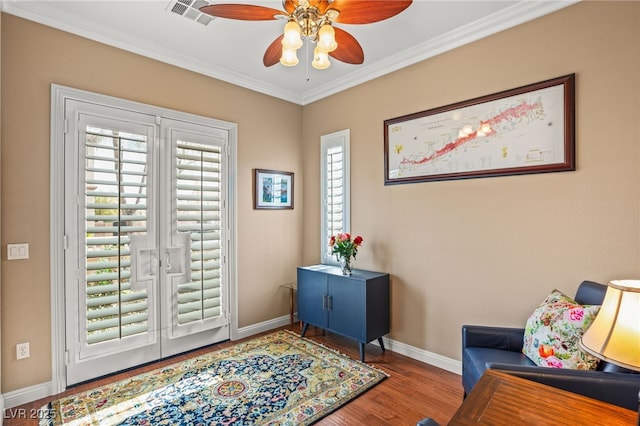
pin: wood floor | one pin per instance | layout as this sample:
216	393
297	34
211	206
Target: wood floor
413	391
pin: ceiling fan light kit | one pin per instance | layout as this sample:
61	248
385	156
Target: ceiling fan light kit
307	21
292	41
313	20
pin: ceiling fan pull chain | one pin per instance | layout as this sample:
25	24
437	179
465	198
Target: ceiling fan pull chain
307	59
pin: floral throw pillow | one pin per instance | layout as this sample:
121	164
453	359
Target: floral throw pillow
553	330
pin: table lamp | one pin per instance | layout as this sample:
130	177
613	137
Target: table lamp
614	335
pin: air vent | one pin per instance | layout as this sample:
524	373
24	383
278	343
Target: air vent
190	9
179	8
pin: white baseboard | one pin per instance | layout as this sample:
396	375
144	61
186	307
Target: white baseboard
261	327
31	393
28	394
427	357
449	364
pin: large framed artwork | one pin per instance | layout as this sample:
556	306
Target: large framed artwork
530	129
272	189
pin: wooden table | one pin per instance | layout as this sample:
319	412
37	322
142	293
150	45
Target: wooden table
292	288
501	399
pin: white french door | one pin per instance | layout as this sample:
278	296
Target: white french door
147	233
193	237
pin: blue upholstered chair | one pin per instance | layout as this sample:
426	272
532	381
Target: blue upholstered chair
501	348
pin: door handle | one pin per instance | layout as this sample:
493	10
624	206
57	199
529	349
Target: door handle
327	302
167	262
144	262
174	260
178	256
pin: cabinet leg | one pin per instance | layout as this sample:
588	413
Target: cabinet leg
381	343
361	352
304	328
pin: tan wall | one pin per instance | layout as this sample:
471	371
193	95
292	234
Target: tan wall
35	56
1	400
486	251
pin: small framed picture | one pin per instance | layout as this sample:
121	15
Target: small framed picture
272	189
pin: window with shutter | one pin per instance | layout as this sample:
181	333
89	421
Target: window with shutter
115	209
334	189
198	198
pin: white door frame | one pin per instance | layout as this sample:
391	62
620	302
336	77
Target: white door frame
59	242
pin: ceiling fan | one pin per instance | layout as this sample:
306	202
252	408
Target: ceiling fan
313	20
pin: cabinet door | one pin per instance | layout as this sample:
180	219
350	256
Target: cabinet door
312	297
346	306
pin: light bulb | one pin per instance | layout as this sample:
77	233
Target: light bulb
292	39
320	59
289	57
327	38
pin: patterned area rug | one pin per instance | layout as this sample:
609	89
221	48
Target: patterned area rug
277	379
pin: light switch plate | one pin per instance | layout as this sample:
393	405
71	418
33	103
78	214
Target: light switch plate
17	251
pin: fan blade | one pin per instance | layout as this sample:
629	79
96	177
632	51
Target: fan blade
320	4
289	5
323	5
273	53
244	12
349	50
367	11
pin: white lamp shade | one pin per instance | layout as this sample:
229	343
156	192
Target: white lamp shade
320	59
327	38
292	39
614	335
289	57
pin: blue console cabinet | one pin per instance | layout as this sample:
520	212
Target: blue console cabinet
354	306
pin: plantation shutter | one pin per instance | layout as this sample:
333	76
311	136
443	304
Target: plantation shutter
115	209
195	234
334	189
198	209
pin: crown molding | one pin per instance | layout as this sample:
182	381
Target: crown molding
507	18
23	9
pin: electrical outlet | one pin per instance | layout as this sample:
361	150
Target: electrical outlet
22	350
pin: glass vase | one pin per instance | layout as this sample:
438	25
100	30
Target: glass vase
346	263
